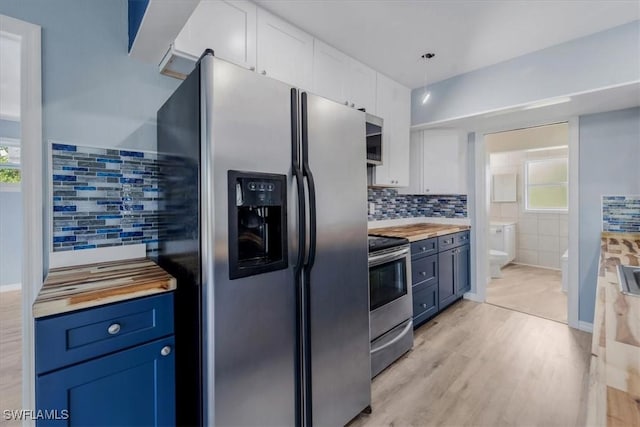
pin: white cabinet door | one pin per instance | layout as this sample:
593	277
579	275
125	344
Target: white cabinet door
284	51
226	26
444	162
329	72
361	86
393	104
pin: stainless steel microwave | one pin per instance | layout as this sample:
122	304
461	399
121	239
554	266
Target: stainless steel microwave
374	140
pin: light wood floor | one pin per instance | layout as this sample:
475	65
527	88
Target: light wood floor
482	365
10	352
531	290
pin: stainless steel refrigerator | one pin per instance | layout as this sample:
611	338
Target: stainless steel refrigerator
265	212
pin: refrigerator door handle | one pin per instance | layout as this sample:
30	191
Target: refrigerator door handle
299	177
301	225
306	171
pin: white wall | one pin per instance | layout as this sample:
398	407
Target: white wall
604	59
541	238
609	159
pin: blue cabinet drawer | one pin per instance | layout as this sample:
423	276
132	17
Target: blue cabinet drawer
453	240
462	238
423	248
69	338
425	303
133	387
424	270
447	241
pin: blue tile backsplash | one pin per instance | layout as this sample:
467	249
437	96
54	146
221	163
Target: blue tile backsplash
621	213
390	205
104	197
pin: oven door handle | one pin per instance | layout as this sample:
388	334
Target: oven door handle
396	339
393	256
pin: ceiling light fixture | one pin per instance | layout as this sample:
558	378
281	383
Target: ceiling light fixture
427	94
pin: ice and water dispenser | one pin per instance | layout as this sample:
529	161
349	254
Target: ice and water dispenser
257	223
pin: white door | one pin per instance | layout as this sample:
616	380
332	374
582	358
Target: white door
329	72
284	51
226	26
393	105
361	86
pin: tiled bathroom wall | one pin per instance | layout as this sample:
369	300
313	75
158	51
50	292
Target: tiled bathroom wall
103	197
541	238
621	213
388	204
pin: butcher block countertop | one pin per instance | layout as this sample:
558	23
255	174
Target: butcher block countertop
614	384
73	288
415	232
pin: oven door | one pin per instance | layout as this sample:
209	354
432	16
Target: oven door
389	290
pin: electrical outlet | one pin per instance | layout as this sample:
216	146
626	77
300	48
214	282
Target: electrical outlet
372	207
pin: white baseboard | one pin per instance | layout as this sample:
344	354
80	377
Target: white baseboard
471	296
585	326
536	266
11	287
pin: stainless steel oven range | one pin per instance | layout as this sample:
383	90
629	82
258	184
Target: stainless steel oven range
390	299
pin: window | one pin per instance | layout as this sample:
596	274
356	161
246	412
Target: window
9	161
546	186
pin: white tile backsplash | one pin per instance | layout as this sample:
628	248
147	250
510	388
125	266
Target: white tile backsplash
527	257
548	226
549	243
527	241
550	259
527	226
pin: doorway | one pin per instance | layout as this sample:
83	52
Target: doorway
21	206
524	201
528	220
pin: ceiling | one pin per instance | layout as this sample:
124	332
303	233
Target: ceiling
465	35
9	77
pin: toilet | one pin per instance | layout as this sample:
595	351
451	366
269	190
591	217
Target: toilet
497	259
502	241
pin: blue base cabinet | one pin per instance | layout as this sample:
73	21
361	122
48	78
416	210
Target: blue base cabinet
132	386
440	274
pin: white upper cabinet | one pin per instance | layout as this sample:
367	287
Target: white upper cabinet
284	51
393	104
438	162
361	86
329	72
226	26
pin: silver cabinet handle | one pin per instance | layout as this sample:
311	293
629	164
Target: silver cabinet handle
346	103
252	68
499	230
423	248
113	329
352	105
264	72
423	305
166	350
423	273
426	190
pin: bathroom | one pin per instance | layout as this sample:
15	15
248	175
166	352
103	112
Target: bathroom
528	214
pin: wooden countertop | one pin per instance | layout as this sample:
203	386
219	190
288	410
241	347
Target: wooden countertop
614	386
415	232
73	288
